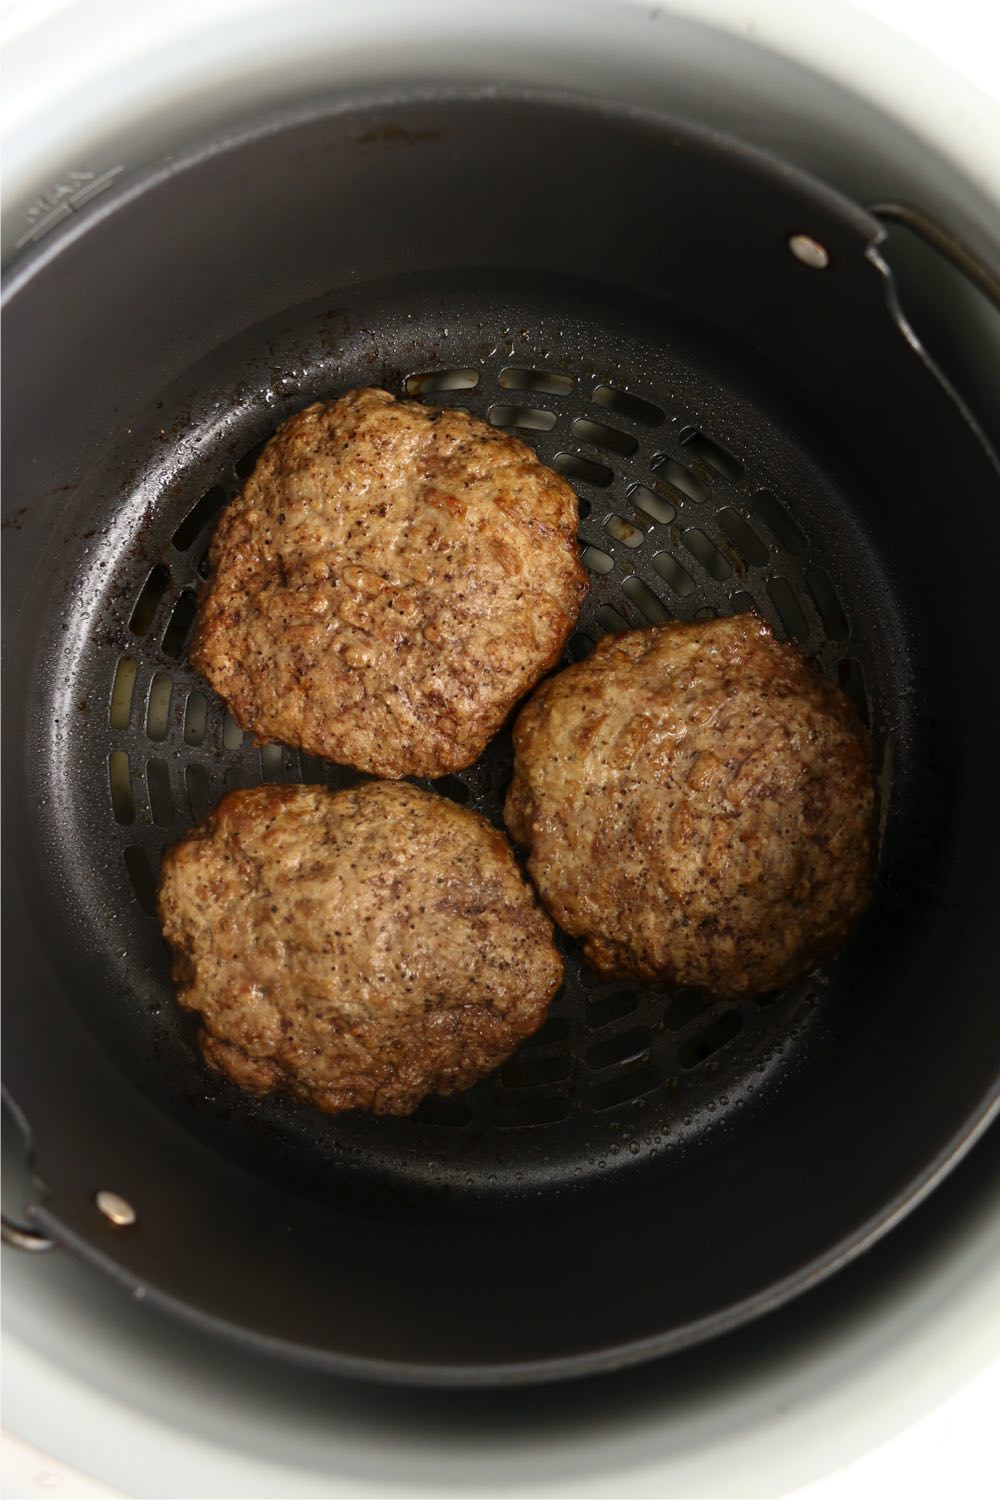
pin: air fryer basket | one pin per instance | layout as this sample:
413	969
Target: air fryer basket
746	429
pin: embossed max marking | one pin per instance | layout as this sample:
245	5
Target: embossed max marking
67	195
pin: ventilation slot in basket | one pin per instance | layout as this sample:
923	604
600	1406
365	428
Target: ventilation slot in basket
122	690
435	382
713	454
681	479
600	436
198	519
148	602
137	863
531	418
547	382
584	469
627	405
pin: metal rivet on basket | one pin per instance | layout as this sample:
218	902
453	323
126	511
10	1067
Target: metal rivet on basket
116	1209
809	251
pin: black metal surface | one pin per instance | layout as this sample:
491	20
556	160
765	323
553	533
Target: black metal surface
742	431
959	255
152	749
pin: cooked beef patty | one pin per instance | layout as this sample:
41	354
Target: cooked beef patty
392	578
698	805
360	948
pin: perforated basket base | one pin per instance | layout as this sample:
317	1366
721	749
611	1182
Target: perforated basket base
696	500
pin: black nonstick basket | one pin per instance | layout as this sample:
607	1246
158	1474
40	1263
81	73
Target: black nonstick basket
708	344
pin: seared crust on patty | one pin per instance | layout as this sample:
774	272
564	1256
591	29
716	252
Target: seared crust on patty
360	948
390	581
698	806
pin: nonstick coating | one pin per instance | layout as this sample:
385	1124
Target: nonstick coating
617	1072
722	464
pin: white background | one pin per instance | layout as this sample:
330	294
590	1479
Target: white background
927	1374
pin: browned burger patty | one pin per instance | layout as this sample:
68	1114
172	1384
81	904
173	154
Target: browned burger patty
360	949
390	581
698	806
